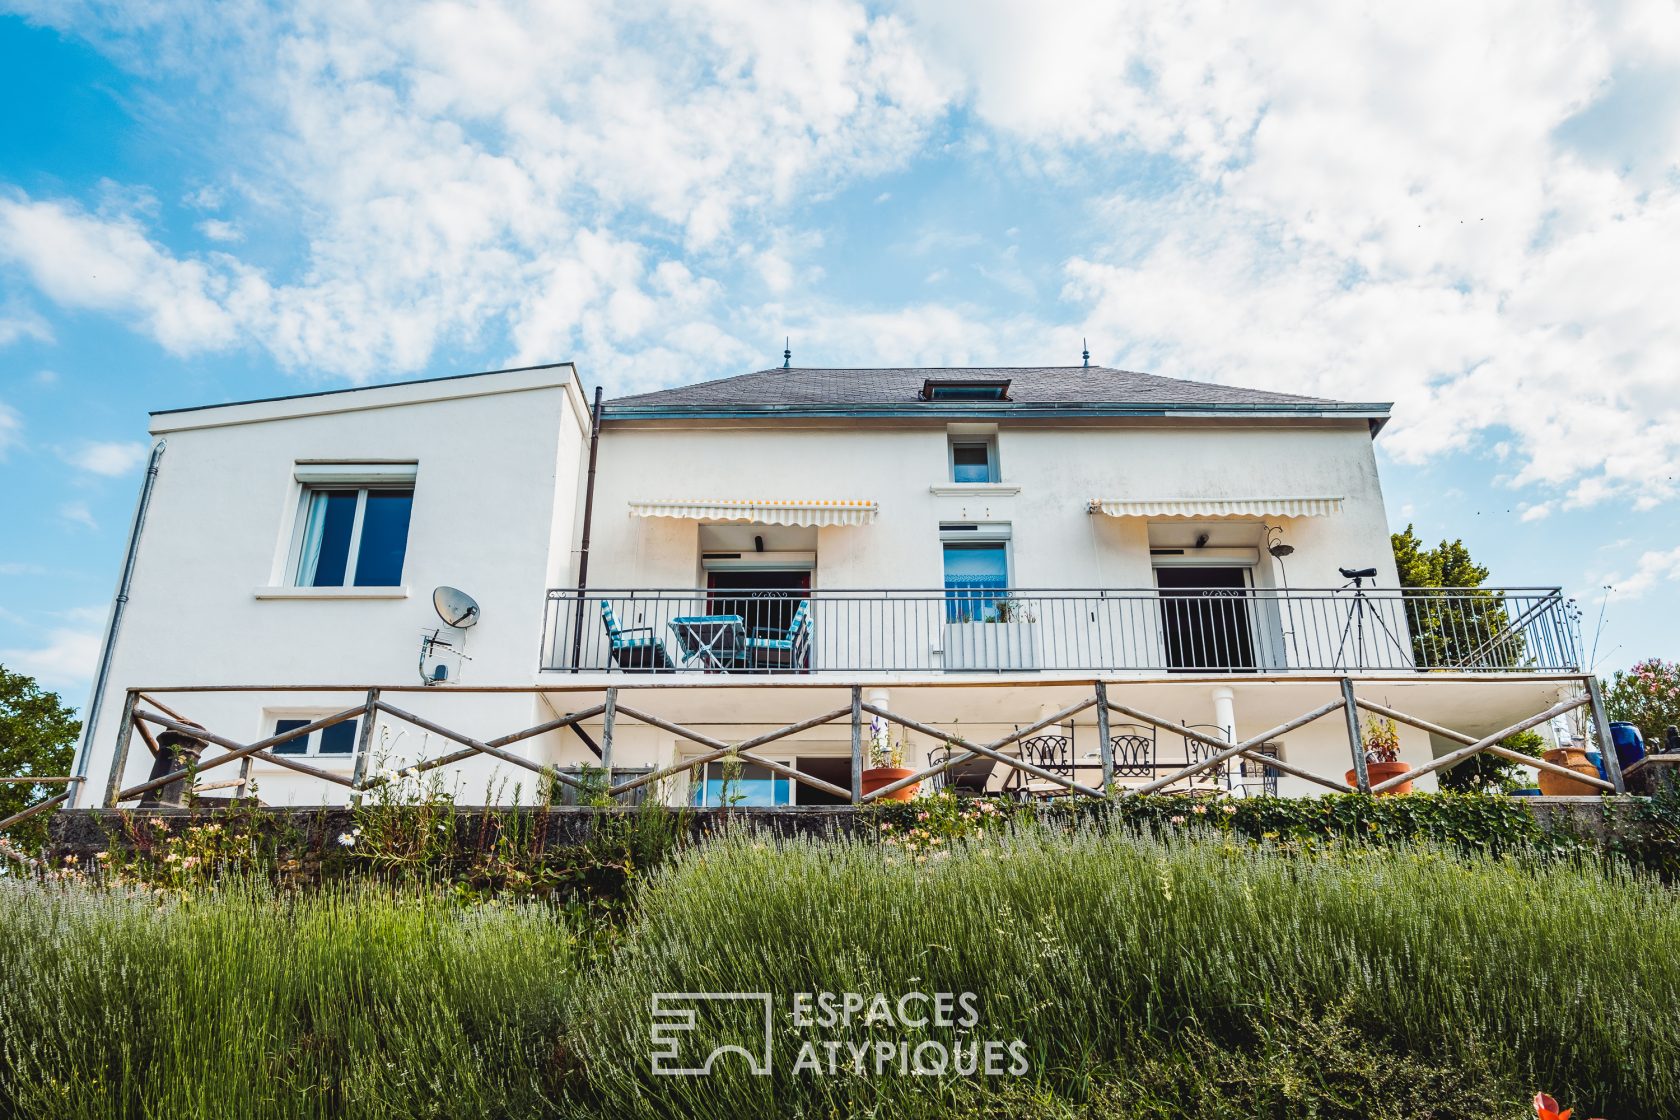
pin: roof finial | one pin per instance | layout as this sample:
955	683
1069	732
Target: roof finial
1087	353
787	354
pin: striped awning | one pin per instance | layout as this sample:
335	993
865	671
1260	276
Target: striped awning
1216	507
763	511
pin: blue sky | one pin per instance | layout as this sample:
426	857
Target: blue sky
1471	212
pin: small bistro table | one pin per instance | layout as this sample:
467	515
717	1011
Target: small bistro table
716	641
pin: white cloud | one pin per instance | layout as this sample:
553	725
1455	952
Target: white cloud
65	661
1654	567
1468	211
82	260
22	322
77	513
1538	512
111	459
217	229
11	429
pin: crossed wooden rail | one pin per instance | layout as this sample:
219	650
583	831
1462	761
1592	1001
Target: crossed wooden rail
139	719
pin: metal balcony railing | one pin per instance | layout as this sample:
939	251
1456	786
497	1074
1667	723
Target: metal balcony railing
969	629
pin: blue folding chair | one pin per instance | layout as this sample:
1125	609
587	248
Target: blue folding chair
643	654
769	648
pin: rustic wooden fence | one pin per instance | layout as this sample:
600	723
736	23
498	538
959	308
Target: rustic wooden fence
164	731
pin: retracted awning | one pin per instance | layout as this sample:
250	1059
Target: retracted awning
764	511
1216	507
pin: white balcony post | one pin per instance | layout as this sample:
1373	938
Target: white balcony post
1225	715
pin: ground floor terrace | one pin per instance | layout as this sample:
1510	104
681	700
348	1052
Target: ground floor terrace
711	740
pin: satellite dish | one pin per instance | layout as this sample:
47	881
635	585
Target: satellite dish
455	607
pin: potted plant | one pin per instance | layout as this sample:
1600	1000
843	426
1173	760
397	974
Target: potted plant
1382	756
999	638
1575	758
886	763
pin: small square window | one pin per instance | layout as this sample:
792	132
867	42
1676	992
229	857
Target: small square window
353	536
339	739
973	460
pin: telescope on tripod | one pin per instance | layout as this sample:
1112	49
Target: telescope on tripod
1354	627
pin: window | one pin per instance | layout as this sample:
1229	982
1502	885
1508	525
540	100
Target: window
976	570
973	460
339	739
936	390
353	536
751	784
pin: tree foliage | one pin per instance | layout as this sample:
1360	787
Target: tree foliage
1455	622
1647	696
37	738
1465	627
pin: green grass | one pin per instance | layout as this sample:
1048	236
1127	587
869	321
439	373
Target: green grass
1106	953
1183	977
238	1003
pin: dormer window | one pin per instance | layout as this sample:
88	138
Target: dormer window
936	390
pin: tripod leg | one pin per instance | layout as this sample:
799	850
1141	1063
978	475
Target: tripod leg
1341	642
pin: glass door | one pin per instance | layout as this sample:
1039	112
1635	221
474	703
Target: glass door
1205	618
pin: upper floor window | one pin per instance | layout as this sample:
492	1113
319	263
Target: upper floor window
354	531
974	460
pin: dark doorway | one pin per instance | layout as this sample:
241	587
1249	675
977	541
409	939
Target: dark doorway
765	600
829	769
1205	618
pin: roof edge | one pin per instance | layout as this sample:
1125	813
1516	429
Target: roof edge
1372	410
360	398
360	388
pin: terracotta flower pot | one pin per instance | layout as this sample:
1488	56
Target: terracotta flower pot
1556	785
877	776
1382	772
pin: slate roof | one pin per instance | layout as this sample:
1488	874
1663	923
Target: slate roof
1046	386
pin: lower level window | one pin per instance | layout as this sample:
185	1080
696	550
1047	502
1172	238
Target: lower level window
748	784
339	739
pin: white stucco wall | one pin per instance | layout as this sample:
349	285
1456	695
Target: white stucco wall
497	472
498	498
1056	543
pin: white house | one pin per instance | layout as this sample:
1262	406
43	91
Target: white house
973	550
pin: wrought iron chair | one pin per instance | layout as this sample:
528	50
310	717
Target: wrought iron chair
1133	748
1259	779
1197	751
1050	752
790	649
966	779
644	654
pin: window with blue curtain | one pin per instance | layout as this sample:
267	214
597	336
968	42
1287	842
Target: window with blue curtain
976	577
354	537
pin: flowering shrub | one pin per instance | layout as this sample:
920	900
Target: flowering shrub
936	821
1647	696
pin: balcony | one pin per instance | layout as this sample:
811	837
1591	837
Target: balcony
986	629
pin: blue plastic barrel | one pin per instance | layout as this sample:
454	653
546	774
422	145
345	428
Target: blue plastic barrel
1630	744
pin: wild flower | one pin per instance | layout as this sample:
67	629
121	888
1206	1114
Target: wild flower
1177	818
1199	810
346	840
1228	810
